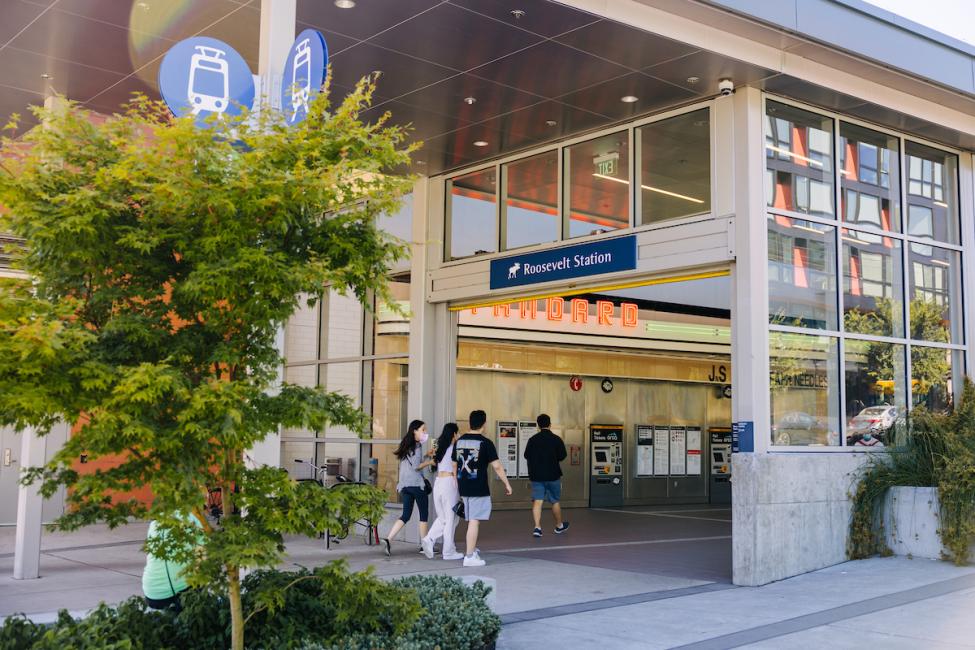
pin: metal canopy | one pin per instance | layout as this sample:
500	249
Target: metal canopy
536	70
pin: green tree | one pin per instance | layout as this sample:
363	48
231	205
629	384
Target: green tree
162	260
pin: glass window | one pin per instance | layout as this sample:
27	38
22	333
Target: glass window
804	380
935	294
932	195
675	167
934	373
472	215
876	389
389	397
869	177
531	211
873	284
802	273
799	153
400	223
597	191
345	378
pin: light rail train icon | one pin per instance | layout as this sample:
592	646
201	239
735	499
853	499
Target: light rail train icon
209	84
301	79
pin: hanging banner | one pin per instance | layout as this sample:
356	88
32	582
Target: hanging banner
694	451
303	75
678	451
508	447
644	450
526	429
661	442
204	77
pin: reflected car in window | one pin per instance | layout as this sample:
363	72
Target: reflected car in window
876	420
803	429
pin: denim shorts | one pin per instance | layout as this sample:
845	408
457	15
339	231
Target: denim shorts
550	491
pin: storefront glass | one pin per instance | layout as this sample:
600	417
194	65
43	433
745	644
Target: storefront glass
935	294
530	211
934	374
597	191
675	167
472	214
804	386
873	284
802	273
876	388
799	159
869	178
932	193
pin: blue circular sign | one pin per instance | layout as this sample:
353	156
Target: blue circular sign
203	76
303	75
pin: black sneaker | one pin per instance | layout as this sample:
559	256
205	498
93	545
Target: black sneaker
386	548
537	532
561	529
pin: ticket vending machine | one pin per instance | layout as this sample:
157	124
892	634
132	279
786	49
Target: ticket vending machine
605	465
720	465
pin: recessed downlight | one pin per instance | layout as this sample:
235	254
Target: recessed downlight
480	143
518	14
693	80
47	75
344	4
470	100
550	122
629	99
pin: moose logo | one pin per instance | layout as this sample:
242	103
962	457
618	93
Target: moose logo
513	271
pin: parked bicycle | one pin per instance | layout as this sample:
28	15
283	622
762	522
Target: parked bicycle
320	476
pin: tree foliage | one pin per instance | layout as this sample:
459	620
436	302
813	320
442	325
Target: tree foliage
163	258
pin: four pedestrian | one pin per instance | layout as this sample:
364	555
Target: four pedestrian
412	484
544	452
473	454
445	496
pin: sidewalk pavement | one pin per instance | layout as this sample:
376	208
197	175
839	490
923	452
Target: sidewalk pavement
889	602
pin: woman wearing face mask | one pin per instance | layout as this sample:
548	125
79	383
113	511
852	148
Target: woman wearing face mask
411	481
445	497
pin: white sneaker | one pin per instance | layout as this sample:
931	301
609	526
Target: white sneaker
453	556
474	560
427	545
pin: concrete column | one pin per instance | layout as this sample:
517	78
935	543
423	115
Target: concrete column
27	541
277	34
423	344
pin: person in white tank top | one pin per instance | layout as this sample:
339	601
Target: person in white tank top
445	497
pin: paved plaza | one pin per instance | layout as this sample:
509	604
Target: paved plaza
650	577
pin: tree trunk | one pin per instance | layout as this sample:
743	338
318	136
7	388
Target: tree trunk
236	609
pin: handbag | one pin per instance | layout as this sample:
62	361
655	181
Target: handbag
459	509
427	488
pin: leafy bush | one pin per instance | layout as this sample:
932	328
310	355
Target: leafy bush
934	450
322	608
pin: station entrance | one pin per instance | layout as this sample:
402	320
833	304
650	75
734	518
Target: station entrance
636	385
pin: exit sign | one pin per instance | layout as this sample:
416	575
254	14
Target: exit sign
607	165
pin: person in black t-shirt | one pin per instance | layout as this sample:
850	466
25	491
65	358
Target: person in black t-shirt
473	454
543	452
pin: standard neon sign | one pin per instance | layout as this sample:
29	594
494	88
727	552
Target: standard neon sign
576	311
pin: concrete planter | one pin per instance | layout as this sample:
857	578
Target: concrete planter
911	522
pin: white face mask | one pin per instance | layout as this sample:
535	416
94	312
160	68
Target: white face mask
423	437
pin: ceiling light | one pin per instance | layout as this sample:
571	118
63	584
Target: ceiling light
550	122
693	80
629	99
480	143
470	100
344	4
650	188
518	14
47	75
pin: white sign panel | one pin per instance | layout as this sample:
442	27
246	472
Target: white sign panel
644	450
694	451
508	447
678	451
526	429
661	440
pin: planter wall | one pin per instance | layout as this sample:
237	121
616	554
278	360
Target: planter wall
911	522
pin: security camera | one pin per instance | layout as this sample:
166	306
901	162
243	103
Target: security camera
726	87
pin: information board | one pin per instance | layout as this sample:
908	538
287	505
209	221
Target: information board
644	450
678	451
694	451
526	429
508	447
661	442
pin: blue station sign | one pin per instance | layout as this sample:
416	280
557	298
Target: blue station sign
581	260
203	76
304	74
